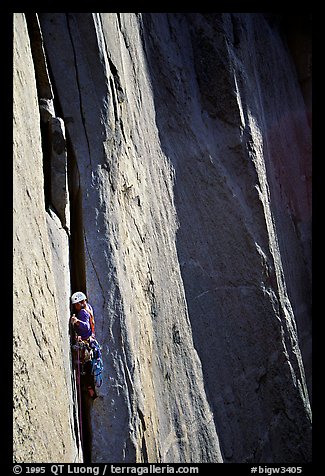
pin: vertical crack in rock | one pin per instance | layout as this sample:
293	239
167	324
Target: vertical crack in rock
78	282
144	451
47	258
45	98
69	18
37	49
57	174
286	313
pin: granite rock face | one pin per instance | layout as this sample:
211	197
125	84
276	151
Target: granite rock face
45	425
175	191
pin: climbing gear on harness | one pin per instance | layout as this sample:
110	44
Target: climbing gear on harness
89	350
82	353
97	363
77	297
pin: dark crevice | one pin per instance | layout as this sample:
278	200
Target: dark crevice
122	130
114	100
76	429
117	82
119	21
50	140
77	278
78	283
143	441
85	418
46	150
43	84
49	101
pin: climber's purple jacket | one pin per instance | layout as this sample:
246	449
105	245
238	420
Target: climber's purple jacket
83	329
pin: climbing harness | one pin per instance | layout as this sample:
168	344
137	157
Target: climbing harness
82	353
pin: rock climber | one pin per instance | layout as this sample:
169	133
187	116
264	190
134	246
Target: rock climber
84	325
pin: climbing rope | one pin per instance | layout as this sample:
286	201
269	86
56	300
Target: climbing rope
79	397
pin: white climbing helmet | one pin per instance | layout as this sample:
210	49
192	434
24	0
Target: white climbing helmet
77	297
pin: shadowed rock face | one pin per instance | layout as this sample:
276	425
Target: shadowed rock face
185	142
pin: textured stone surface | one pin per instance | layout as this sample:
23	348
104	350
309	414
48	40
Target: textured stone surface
188	149
59	171
44	426
152	400
242	188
